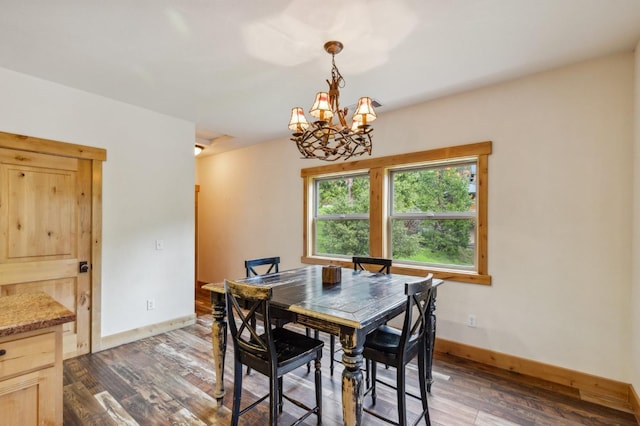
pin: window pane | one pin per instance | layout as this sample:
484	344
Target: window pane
342	237
447	188
448	242
344	195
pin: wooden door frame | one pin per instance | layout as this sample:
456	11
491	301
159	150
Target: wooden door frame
96	156
197	193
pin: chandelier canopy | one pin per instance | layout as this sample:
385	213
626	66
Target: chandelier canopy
323	139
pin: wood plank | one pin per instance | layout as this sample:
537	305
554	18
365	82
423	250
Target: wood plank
307	214
635	403
11	273
34	159
442	274
377	212
96	256
482	196
81	408
97	373
30	143
114	409
83	282
141	332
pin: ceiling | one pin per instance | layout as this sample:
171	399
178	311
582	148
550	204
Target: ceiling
235	68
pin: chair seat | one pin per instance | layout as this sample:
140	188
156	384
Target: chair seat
292	350
292	346
385	339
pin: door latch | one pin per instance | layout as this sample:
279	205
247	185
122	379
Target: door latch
84	267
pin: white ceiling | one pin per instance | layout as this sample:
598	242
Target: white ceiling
236	67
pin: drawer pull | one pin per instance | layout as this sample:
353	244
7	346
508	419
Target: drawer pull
2	352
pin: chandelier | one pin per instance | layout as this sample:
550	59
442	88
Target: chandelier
323	139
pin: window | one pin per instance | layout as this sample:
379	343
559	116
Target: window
425	210
433	215
341	219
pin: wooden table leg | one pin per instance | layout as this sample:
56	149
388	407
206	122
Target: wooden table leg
219	341
352	382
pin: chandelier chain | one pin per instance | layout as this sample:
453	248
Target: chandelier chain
335	72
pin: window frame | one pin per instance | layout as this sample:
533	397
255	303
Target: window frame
422	216
378	170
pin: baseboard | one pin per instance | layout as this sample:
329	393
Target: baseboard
129	336
599	390
635	402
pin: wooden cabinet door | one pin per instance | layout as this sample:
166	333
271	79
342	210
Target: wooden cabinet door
31	378
30	399
45	232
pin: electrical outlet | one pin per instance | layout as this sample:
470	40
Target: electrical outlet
151	304
472	321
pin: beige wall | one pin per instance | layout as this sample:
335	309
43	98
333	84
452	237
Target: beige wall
250	206
559	211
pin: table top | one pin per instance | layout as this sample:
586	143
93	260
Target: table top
31	311
360	299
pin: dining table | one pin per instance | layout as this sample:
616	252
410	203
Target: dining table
350	309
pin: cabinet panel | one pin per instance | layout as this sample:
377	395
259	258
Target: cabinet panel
22	355
26	400
17	407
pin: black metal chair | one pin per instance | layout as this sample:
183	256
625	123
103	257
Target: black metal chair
251	264
273	351
358	265
359	262
396	348
267	266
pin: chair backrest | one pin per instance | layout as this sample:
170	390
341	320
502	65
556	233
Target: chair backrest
418	296
248	305
359	262
271	262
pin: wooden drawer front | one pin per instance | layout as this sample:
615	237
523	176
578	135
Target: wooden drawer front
29	353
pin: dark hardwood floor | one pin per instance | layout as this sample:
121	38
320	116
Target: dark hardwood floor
168	379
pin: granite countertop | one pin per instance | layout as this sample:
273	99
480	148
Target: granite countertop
31	311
